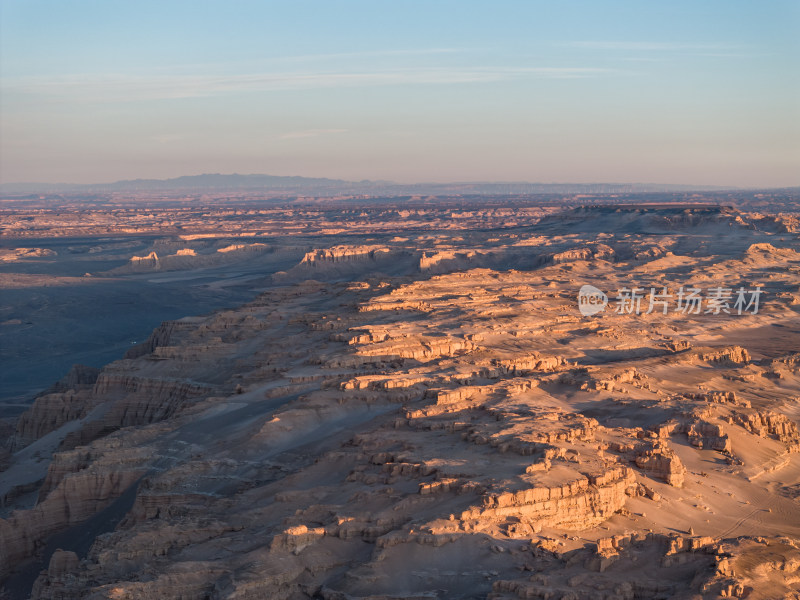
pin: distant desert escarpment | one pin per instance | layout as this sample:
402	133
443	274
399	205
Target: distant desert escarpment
420	408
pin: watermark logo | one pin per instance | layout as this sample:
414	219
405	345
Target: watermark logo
686	300
591	300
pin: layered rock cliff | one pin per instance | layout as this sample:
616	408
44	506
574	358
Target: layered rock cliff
428	435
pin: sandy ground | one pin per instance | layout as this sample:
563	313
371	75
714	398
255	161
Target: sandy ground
434	417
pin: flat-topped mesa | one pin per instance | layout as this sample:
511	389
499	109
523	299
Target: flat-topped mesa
380	382
423	348
296	538
338	254
462	393
529	364
409	304
578	501
242	248
446	261
531	433
149	262
551	426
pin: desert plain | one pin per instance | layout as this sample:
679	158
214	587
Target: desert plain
357	400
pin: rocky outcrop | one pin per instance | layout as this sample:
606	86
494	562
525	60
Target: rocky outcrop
583	502
609	571
15	254
77	497
461	394
50	412
61	563
453	260
661	462
603	379
526	365
68	399
595	251
769	424
728	356
77	378
127	400
422	349
161	336
702	434
378	382
729	398
149	262
131	401
445	435
115	384
159	259
338	254
242	248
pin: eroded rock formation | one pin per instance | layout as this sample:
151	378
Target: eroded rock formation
454	428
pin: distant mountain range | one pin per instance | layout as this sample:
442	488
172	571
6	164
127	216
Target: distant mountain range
314	186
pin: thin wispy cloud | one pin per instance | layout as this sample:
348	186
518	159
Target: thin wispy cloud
733	54
271	62
657	48
122	88
310	133
126	87
650	46
370	54
557	72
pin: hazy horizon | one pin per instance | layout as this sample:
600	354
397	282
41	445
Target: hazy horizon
377	180
678	93
332	186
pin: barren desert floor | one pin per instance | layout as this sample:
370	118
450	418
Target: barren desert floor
404	404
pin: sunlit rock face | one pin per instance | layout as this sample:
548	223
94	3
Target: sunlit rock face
430	414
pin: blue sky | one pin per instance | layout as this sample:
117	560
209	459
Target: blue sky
697	92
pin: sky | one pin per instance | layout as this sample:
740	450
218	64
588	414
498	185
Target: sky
681	91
